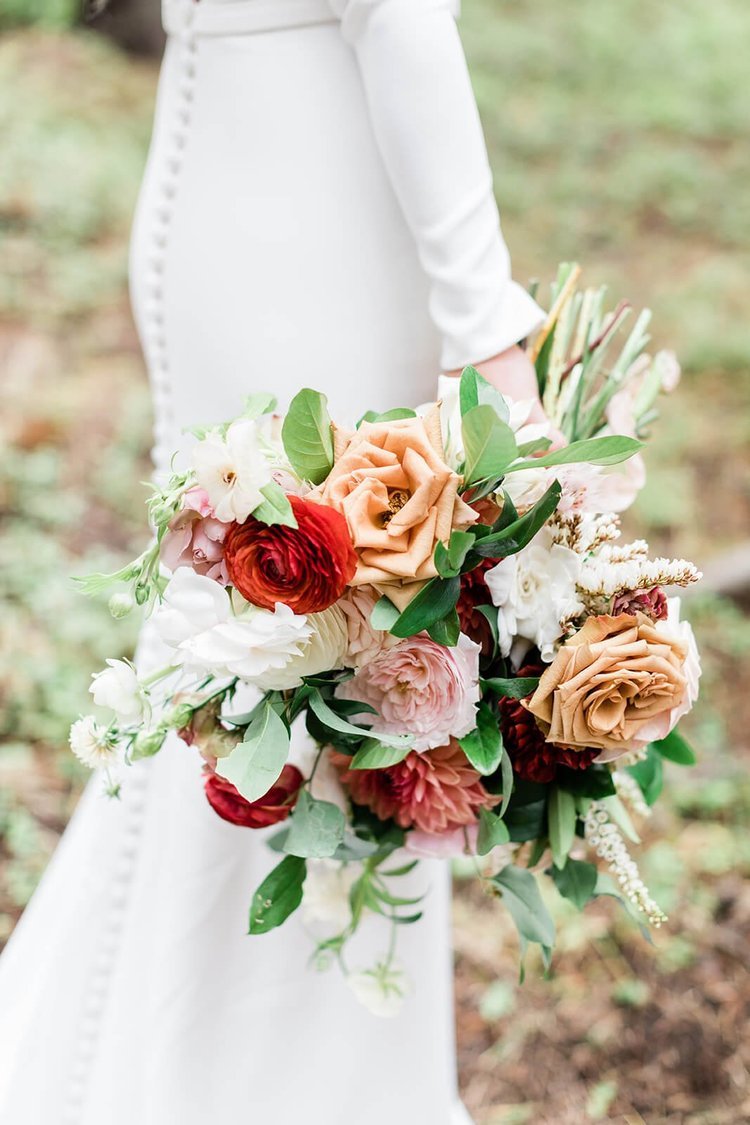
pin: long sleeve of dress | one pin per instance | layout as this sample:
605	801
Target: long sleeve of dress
427	126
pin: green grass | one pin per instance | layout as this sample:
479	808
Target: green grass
618	137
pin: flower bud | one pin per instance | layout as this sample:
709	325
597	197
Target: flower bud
147	743
180	716
120	605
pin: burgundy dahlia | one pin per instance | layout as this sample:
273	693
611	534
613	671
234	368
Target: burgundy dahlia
533	758
474	592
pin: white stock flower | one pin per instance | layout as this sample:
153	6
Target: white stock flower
92	744
117	688
381	990
212	632
324	651
325	899
232	470
535	591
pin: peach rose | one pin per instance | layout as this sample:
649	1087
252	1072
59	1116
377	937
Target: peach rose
615	686
399	498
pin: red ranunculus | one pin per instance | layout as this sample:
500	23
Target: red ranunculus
306	568
273	807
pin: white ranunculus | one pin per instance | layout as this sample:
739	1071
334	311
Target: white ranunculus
381	990
92	744
325	900
117	688
232	470
324	651
211	632
534	591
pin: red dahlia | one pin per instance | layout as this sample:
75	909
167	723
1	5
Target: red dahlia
273	807
306	567
532	758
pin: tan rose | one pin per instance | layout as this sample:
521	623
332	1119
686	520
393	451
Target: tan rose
399	498
612	686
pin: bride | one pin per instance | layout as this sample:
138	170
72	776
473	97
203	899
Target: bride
317	211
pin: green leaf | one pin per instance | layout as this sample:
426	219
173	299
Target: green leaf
374	755
257	405
489	444
492	832
561	815
517	688
520	892
276	507
450	559
595	451
528	448
384	614
447	630
676	749
334	722
620	815
278	896
316	828
255	764
506	773
526	822
433	602
576	881
650	776
474	390
307	438
388	416
516	535
483	746
595	782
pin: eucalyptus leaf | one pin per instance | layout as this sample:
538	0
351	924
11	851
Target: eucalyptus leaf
517	688
316	828
676	749
447	630
255	763
332	721
516	535
474	390
489	444
561	815
384	614
483	746
275	509
258	404
278	896
520	892
450	559
576	881
306	434
434	601
374	755
492	832
594	451
388	416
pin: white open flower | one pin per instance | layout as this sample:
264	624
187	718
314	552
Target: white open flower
535	591
232	470
381	990
324	651
117	688
213	632
325	900
450	418
93	744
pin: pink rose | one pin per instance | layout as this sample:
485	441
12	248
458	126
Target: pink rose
365	643
196	539
422	688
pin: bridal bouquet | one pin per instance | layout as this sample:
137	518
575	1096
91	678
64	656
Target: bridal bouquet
444	603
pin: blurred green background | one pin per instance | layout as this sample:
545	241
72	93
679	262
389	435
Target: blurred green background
618	134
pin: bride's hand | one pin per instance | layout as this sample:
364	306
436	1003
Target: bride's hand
513	374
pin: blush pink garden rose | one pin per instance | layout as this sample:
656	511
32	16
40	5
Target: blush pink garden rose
365	643
421	687
196	538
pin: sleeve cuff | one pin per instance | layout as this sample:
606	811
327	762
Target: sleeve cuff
516	317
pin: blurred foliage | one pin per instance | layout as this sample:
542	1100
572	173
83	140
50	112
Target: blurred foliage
617	136
45	13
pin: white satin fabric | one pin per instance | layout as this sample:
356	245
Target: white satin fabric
314	187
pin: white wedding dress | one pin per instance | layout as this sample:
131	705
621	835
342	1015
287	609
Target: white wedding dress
317	211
